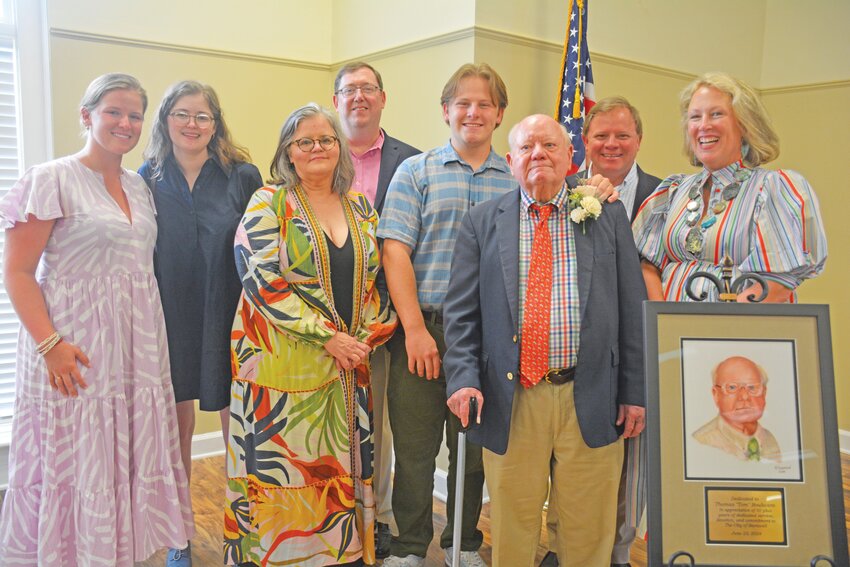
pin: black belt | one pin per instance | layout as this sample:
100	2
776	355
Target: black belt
433	317
558	376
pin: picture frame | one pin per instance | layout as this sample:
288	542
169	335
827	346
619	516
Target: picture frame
743	465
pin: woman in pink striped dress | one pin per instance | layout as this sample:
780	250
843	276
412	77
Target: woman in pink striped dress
95	476
766	221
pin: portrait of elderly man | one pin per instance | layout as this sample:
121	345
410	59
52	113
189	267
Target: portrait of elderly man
739	389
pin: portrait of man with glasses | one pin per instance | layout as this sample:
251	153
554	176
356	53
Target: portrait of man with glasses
740	403
739	390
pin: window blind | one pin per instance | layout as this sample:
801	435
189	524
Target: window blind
9	173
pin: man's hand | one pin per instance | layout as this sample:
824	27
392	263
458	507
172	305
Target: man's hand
459	404
634	417
604	189
423	358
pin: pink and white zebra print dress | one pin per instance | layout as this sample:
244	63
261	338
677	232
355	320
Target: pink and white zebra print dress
95	480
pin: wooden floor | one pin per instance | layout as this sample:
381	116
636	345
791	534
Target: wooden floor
208	499
208	495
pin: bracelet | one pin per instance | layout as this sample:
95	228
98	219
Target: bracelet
48	343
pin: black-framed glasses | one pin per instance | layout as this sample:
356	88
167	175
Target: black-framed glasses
307	144
733	389
365	90
202	119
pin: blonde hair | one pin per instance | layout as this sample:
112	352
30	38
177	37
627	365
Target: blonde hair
762	142
98	88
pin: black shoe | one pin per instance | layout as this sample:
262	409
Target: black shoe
383	536
621	565
549	560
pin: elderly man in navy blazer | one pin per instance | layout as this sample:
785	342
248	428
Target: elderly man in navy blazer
543	327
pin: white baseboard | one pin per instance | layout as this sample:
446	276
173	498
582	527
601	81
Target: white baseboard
844	441
207	445
441	483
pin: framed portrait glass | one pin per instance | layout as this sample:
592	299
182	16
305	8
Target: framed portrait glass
742	437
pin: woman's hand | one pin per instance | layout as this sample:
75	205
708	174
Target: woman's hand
62	369
776	293
348	352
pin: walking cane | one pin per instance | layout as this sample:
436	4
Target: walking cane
461	476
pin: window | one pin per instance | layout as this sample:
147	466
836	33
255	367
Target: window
9	172
24	141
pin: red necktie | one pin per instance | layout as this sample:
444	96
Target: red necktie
534	350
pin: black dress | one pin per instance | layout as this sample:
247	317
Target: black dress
196	272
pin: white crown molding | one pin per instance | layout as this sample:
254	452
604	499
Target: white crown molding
186	49
472	32
434	41
806	87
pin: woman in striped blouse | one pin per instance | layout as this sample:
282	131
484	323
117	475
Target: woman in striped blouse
766	221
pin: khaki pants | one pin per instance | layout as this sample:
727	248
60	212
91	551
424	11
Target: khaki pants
545	440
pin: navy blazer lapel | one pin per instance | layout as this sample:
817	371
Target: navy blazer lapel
645	186
583	240
507	229
390	157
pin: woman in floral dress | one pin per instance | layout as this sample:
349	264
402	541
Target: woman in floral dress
299	455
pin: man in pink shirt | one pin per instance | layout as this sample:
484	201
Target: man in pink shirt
359	98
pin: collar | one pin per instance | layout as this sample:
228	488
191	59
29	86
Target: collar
737	438
377	145
628	181
171	161
448	154
559	200
728	174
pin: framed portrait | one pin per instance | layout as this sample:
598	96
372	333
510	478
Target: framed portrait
742	436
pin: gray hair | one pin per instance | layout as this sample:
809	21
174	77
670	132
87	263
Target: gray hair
283	171
98	88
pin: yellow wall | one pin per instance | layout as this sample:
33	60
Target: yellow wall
805	43
645	50
812	124
256	96
275	28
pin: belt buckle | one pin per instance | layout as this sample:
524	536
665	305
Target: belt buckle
561	372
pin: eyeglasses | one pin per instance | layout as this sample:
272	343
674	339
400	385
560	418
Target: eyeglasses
202	120
365	90
733	389
307	144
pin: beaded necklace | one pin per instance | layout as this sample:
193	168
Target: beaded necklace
695	239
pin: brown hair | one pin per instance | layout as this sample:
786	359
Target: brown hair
498	91
356	66
221	144
608	104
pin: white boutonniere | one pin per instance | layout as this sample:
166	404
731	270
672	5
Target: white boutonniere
583	204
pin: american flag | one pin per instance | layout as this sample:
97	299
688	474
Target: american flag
576	94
